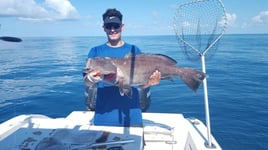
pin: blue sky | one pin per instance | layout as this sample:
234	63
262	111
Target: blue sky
142	17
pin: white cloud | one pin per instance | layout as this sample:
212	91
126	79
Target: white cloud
261	18
63	8
231	18
31	10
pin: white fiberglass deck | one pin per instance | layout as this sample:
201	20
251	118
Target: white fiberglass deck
75	132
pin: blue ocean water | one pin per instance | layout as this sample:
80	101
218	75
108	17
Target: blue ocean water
43	75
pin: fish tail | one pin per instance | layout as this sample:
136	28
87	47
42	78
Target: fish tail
191	77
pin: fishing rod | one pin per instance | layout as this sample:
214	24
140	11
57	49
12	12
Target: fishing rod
199	25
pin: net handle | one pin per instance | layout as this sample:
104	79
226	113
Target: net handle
209	143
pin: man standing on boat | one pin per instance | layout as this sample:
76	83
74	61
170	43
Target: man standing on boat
113	109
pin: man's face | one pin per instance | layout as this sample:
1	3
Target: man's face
113	30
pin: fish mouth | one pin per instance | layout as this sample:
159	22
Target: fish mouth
109	77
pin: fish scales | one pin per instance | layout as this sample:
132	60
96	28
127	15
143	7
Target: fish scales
135	70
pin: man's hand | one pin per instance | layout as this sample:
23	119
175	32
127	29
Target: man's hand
92	77
154	79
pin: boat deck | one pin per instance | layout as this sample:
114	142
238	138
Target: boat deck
76	132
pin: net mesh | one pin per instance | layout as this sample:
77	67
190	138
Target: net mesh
199	26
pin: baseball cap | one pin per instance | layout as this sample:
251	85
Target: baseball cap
112	19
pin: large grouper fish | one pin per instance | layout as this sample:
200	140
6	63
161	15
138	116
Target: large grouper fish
135	70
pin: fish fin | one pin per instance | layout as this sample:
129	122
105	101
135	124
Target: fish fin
191	77
128	92
171	59
123	89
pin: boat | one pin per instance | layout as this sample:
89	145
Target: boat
76	131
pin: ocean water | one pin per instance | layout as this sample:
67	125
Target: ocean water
43	76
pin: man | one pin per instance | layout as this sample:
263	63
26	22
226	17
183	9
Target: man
113	109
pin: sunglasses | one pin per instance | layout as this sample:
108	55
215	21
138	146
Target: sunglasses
114	26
